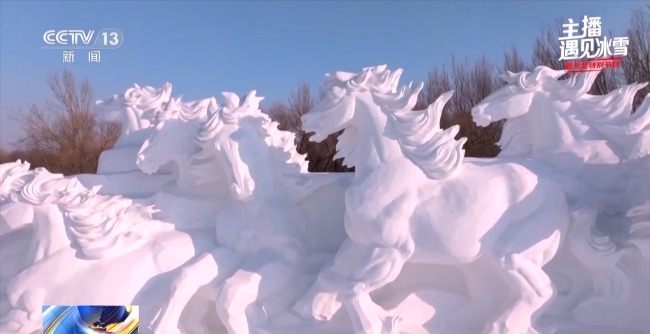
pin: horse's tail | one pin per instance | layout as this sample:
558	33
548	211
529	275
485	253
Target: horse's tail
596	251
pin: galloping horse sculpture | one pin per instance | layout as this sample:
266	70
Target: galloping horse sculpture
595	139
270	230
557	122
409	202
229	213
72	225
133	110
29	201
173	139
170	146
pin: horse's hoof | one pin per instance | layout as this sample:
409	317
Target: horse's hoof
495	328
17	322
392	324
164	329
10	327
321	307
257	315
156	327
304	311
13	321
500	327
34	316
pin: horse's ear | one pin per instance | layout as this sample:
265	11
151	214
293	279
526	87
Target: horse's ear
446	96
343	76
508	76
542	72
231	100
361	79
159	124
253	101
152	209
558	73
213	107
71	186
95	189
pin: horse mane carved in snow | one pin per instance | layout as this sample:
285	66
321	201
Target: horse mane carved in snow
610	114
434	150
291	165
99	225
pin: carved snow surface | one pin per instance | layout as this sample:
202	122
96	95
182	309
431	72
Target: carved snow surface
204	215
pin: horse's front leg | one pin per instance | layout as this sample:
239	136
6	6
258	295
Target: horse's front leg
49	233
15	322
362	269
321	300
209	268
26	316
530	286
15	216
240	303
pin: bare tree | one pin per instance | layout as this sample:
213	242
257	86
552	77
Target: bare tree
300	102
438	81
65	134
607	80
288	114
513	62
320	155
471	84
279	112
636	65
546	49
5	155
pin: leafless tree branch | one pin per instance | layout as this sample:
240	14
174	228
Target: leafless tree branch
64	135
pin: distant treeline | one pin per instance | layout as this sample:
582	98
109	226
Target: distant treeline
65	138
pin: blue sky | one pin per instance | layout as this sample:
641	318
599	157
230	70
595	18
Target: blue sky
205	47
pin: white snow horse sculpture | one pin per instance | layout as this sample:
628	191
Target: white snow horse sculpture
133	110
72	225
29	201
172	140
170	145
414	199
557	122
599	141
273	233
